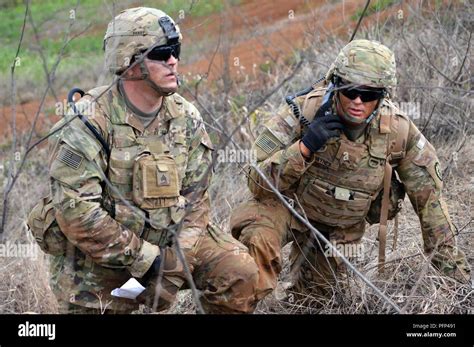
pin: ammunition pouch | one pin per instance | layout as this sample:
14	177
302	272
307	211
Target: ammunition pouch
397	195
334	206
155	181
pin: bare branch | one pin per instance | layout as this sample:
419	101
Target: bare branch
326	241
11	164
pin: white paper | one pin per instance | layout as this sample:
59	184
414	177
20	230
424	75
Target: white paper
130	290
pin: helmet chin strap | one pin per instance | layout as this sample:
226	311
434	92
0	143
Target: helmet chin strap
145	76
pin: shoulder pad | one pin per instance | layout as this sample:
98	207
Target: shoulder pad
97	114
390	108
267	144
98	95
318	91
178	98
312	101
95	92
389	114
90	106
177	106
396	123
279	131
283	125
191	110
77	136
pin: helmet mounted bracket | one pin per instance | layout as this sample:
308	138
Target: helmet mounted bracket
169	29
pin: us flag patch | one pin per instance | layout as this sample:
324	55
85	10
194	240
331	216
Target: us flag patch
70	158
266	143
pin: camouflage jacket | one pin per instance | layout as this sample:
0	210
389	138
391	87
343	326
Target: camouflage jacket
337	186
153	172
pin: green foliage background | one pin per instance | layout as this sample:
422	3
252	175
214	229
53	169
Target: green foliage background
52	18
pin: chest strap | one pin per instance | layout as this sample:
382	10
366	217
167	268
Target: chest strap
396	151
387	178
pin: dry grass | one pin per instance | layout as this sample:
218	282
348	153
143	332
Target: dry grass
445	115
24	286
409	280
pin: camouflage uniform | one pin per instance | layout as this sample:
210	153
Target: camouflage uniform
318	185
157	170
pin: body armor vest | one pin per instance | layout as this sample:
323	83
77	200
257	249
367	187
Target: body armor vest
345	178
146	169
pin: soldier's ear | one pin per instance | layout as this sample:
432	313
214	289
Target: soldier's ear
134	71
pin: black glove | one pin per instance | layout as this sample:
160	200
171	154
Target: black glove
172	275
321	130
152	272
149	281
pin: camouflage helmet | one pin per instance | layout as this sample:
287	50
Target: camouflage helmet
367	63
135	30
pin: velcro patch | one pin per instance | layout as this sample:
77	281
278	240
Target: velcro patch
70	158
266	142
163	178
421	142
290	121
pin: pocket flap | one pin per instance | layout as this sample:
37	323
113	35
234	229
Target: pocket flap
162	167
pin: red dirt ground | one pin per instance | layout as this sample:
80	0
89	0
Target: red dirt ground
254	32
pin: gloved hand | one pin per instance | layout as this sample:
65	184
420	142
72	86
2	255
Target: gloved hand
152	272
172	278
321	130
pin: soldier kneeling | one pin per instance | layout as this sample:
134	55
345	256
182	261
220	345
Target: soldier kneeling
333	163
131	181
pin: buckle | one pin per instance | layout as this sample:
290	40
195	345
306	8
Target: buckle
342	194
374	163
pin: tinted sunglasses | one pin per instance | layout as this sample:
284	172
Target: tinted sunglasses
163	53
366	94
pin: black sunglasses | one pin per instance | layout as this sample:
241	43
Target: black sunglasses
163	53
366	94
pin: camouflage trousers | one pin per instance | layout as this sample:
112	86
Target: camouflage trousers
222	269
265	227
